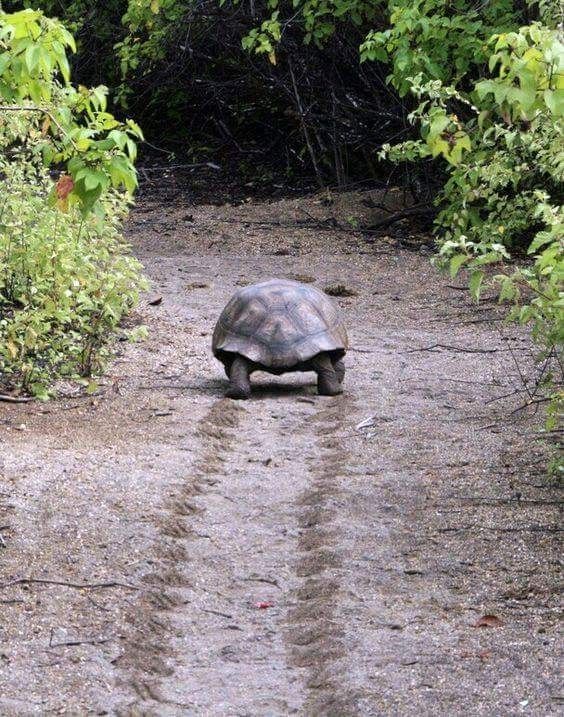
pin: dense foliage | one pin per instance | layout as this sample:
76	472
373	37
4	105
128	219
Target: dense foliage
460	101
65	278
503	139
181	64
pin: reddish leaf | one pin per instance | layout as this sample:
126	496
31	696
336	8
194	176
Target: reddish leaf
64	187
489	621
263	605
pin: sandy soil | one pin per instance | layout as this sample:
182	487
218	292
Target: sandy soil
168	552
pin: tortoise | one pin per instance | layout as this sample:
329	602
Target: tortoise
279	326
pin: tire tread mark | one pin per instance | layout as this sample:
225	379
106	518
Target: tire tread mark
148	655
316	633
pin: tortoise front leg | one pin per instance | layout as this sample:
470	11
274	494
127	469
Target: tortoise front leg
339	367
327	379
239	383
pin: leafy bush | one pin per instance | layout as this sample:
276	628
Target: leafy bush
65	277
181	66
504	144
65	282
437	39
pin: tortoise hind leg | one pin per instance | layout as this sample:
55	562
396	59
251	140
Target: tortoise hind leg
239	383
339	367
327	379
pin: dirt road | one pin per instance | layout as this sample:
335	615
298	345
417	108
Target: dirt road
168	552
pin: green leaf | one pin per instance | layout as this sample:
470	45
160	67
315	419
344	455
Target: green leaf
508	289
31	57
93	179
475	284
438	125
456	263
526	314
554	100
540	239
91	387
528	84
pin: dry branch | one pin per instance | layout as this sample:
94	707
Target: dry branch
448	347
78	586
420	210
14	399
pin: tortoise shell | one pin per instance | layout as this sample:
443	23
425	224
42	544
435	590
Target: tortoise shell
279	324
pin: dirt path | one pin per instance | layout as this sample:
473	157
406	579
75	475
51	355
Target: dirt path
377	547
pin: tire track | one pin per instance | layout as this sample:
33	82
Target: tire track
316	631
234	653
148	655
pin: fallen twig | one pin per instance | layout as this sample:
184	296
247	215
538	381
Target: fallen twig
327	224
78	586
517	366
530	402
505	395
361	351
421	210
167	167
217	612
74	643
460	349
14	399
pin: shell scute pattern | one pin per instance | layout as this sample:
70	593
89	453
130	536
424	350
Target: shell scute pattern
279	324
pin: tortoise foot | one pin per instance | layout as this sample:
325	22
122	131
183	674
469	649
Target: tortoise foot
339	368
329	388
328	383
240	393
239	384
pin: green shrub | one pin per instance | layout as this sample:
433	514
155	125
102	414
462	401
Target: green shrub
437	39
66	279
504	144
65	282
